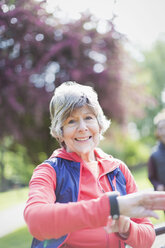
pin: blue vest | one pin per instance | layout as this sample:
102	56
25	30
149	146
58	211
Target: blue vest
67	190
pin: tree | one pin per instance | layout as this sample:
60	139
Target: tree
40	51
152	73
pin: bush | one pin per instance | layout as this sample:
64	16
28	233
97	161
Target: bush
123	147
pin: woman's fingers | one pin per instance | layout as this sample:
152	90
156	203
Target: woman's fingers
124	224
141	204
110	223
121	225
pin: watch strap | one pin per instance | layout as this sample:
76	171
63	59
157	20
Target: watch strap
115	213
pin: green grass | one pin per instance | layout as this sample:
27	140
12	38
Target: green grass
141	178
13	197
18	239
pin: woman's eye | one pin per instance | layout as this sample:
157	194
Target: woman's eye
71	121
89	118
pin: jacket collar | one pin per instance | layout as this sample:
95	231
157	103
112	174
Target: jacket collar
107	162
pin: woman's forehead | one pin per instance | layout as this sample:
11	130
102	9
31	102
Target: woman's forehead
81	110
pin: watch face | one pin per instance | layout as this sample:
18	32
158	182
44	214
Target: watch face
115	217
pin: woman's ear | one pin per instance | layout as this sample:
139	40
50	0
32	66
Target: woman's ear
61	139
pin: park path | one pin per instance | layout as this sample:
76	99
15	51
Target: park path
11	219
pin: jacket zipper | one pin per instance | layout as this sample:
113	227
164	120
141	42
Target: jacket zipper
98	182
103	191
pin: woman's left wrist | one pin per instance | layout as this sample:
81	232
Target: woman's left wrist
114	206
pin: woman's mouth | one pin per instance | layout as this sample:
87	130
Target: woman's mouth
83	138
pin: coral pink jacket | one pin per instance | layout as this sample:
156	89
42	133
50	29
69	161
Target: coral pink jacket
84	220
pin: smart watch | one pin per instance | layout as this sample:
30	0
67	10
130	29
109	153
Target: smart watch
115	213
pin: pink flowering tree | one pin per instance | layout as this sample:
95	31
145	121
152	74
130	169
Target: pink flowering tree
38	51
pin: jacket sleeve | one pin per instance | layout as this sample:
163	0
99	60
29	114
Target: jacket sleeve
142	233
47	220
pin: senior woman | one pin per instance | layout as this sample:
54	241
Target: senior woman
79	196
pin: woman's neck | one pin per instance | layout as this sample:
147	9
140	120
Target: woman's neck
88	157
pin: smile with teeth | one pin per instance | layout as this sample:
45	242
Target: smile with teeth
83	139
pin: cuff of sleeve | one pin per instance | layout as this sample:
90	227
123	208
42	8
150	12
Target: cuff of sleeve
104	209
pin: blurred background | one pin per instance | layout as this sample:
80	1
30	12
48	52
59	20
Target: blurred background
116	46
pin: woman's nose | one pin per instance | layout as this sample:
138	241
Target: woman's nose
82	125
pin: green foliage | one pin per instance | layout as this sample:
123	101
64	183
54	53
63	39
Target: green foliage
18	167
153	62
141	178
20	238
134	152
15	165
152	75
121	145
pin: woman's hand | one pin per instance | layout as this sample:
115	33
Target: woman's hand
122	226
141	204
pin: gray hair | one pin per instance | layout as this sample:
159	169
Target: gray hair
69	96
159	117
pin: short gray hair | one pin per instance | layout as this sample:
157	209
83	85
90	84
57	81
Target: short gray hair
69	96
159	117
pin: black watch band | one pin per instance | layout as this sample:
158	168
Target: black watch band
115	213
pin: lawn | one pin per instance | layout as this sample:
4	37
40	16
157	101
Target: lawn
141	178
13	197
18	239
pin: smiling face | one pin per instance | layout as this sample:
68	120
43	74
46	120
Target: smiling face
81	133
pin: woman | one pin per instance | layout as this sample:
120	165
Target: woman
70	198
